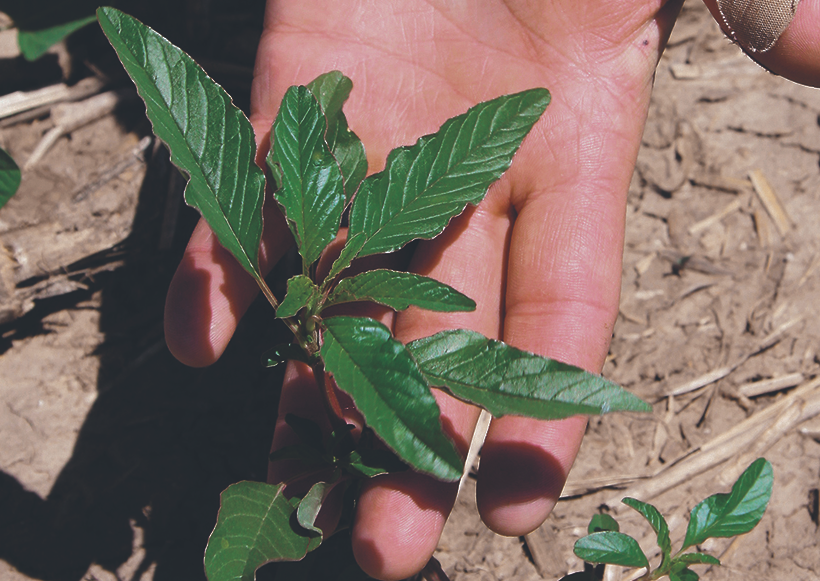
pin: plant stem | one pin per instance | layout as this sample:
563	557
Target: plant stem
330	401
271	298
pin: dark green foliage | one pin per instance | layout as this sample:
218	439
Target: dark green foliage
9	177
318	167
720	515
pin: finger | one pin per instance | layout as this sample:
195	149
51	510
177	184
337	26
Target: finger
399	517
210	291
563	278
796	54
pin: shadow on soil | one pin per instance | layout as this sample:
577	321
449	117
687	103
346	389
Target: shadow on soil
161	441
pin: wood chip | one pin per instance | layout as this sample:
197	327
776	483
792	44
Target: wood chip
771	201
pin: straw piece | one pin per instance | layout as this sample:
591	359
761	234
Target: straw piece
757	388
722	372
699	227
767	426
770	201
21	101
70	116
704	380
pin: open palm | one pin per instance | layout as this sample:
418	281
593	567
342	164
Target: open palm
541	256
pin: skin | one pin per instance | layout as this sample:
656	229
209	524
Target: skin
541	256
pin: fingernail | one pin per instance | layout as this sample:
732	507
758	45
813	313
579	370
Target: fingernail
757	24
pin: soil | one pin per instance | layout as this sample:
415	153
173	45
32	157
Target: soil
113	454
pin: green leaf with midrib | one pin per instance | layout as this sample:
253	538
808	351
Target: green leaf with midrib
388	389
727	515
312	192
255	525
398	290
210	139
505	380
423	186
10	177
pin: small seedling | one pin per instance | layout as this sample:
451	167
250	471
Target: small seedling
720	515
317	171
9	177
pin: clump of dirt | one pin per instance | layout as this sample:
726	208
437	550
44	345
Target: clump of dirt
114	454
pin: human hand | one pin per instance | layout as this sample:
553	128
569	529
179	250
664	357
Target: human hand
541	255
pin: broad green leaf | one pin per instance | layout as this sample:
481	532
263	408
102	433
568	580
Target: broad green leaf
369	463
284	352
390	392
10	177
683	575
399	290
210	139
312	192
346	256
611	547
423	186
727	515
506	380
697	558
332	90
254	527
35	43
602	522
311	504
658	523
301	293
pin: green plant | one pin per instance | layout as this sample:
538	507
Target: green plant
720	515
317	170
9	177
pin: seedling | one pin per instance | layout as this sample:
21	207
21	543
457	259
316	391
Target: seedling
318	167
720	515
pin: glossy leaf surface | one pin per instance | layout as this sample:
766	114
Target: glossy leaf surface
388	389
311	504
210	139
35	43
611	547
509	381
602	522
10	177
658	523
332	90
727	515
697	558
683	575
254	527
368	463
399	290
346	256
301	293
423	186
312	192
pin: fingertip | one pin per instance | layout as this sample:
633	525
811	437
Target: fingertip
208	294
524	464
187	332
399	519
